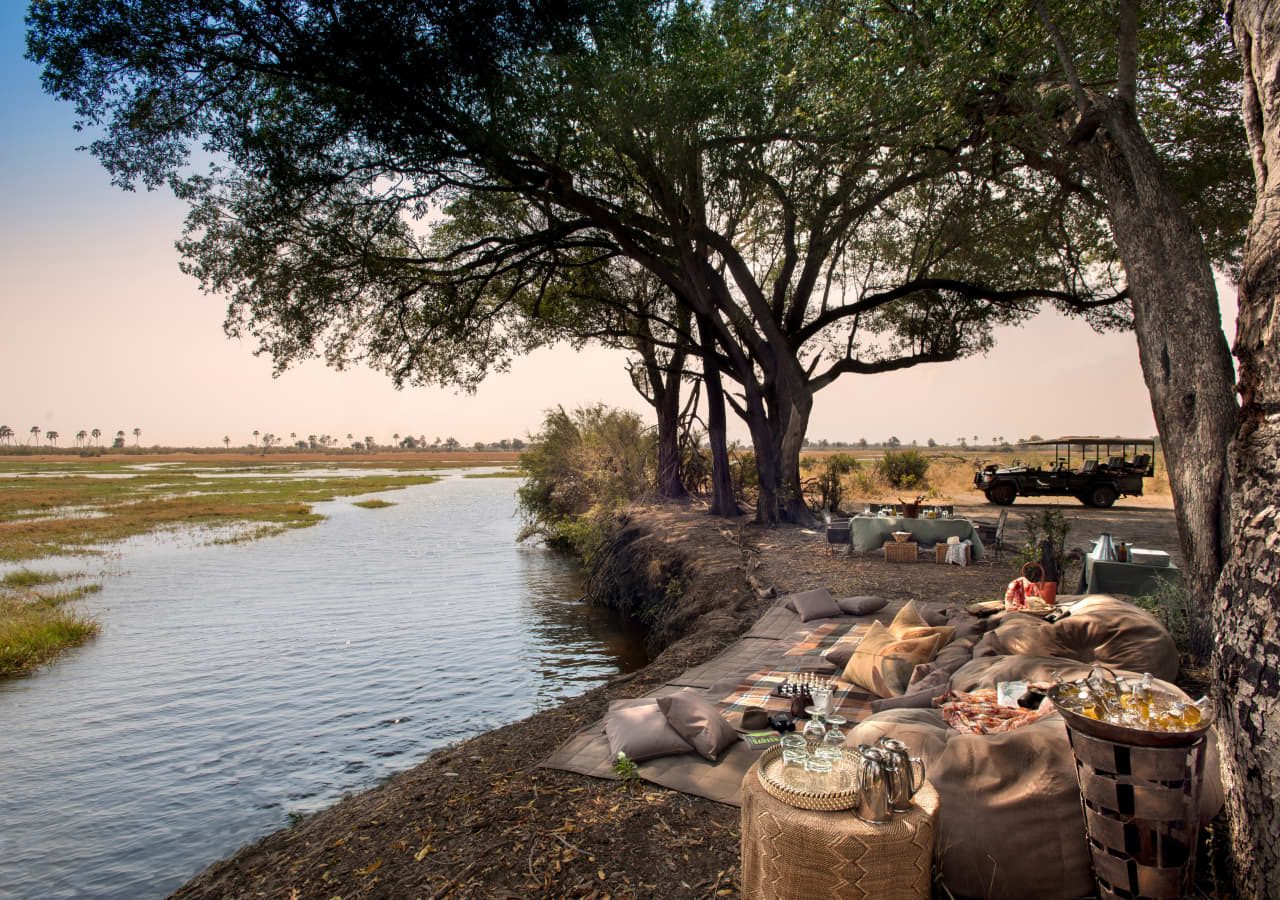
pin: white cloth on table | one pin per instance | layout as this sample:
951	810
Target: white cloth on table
958	553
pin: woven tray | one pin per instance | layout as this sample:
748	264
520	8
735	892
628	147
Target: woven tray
770	773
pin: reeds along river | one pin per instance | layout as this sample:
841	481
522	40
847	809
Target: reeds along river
235	685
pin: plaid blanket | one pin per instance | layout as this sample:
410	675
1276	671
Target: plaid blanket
756	692
826	636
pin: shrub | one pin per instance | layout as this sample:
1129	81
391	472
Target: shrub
1171	603
829	482
1046	524
581	467
904	468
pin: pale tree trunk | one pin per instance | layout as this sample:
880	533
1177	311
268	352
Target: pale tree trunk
795	403
723	501
1247	651
1184	355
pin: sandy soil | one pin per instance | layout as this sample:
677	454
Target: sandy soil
480	820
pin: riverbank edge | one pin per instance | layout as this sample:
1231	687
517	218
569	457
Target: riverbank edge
689	578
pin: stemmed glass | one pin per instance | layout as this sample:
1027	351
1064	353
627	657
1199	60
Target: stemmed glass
814	730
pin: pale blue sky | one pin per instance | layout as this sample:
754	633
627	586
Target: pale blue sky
98	328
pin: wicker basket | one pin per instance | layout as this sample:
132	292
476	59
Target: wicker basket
904	552
771	779
1141	808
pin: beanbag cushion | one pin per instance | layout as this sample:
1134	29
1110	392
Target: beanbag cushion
697	720
1010	822
861	606
639	729
815	604
1100	629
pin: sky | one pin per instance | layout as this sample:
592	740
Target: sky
100	329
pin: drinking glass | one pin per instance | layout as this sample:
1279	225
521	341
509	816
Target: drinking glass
814	729
819	772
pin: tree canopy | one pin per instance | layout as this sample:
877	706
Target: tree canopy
830	188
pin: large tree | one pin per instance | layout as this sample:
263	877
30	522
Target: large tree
783	170
1246	626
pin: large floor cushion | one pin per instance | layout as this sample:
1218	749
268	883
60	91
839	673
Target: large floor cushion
1010	824
1099	629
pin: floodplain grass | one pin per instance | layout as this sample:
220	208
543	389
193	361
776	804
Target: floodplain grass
505	473
35	627
375	503
34	523
21	579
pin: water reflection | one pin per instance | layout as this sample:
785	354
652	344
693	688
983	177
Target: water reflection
234	685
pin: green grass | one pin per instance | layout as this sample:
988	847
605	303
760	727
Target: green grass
373	504
505	473
34	628
24	579
33	523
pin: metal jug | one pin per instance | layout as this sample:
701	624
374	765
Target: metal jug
905	773
873	785
1106	549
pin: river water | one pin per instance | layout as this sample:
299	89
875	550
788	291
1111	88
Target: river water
235	685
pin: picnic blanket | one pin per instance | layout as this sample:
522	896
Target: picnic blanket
740	678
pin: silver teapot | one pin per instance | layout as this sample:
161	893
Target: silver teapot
905	773
872	774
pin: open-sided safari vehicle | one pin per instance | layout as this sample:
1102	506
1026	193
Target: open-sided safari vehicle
1094	470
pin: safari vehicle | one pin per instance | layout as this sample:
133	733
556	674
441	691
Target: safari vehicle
1094	470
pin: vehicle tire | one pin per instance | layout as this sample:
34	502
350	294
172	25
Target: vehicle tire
1002	494
1102	496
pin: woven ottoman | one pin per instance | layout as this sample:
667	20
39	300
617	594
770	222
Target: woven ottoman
796	854
901	552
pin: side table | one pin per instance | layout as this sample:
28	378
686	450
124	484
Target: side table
798	854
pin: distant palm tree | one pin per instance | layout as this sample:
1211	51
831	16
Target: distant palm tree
35	434
81	437
255	435
97	434
137	436
6	434
52	437
350	437
120	437
226	441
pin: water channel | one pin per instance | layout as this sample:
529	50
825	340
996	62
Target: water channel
233	686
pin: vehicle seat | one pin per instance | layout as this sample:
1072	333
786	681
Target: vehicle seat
1089	466
1142	461
1115	462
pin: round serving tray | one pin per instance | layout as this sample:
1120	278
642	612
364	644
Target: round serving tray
1122	734
770	773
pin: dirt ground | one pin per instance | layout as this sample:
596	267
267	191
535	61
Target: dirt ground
478	819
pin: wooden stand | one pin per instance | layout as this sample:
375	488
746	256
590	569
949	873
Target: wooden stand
904	552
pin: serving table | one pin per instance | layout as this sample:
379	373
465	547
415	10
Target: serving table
870	532
1145	572
797	854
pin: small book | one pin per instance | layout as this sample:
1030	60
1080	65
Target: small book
761	740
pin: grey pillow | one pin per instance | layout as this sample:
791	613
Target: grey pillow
639	729
840	654
934	615
861	606
815	604
696	720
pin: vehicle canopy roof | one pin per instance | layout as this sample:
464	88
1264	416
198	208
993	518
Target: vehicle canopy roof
1090	440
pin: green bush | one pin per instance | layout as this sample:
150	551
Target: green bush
829	483
904	468
581	466
1171	603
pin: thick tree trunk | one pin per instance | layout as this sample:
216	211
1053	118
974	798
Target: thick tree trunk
793	401
1184	355
1247	650
769	507
667	407
723	500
